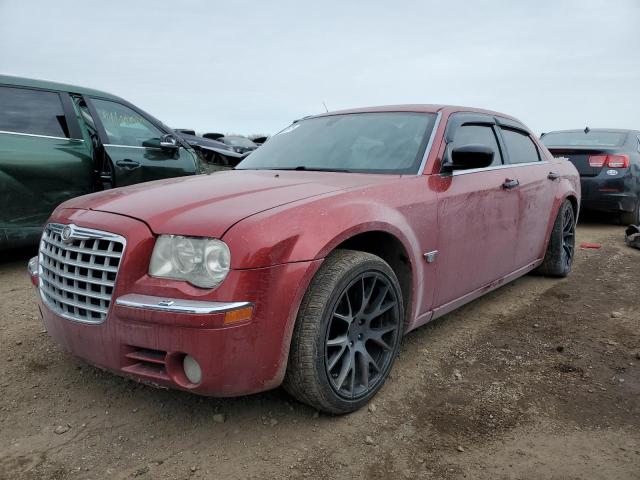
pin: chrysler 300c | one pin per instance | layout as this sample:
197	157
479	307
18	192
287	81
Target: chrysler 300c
306	264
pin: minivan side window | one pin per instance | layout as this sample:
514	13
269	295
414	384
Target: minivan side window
520	147
124	126
478	135
35	112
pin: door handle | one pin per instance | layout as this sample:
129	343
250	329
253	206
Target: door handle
128	164
553	176
510	184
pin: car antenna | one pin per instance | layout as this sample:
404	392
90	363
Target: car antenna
587	129
325	107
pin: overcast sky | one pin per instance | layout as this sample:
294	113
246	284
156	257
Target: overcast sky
249	67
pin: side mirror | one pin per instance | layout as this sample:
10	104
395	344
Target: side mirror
467	157
169	142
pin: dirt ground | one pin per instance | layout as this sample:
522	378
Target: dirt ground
539	379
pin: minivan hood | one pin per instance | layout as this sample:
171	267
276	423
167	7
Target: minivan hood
208	205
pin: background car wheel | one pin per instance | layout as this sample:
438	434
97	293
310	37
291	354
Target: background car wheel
347	333
561	248
631	218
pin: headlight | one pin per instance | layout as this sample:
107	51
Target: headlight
203	262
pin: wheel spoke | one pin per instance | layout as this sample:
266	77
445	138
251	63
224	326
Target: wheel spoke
336	356
347	366
364	368
338	341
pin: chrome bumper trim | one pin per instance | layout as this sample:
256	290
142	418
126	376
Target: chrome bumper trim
32	266
176	305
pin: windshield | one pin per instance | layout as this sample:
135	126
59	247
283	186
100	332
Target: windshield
581	139
382	142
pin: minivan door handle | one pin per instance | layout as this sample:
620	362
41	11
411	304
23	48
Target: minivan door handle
128	164
510	184
553	176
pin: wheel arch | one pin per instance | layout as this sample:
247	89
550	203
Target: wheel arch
392	250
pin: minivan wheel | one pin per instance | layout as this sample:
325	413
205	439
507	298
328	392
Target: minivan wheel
347	333
558	258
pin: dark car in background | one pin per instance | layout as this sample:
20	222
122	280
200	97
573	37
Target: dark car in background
213	152
608	161
61	141
238	143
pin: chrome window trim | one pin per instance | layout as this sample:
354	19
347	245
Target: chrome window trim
130	146
432	138
41	136
81	233
499	167
177	305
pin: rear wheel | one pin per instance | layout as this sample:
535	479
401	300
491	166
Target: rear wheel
631	218
558	258
347	333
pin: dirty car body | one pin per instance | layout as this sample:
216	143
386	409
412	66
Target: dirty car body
379	188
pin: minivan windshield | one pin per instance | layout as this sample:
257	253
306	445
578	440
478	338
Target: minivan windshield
582	139
379	142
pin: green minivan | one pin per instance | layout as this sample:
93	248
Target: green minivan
60	141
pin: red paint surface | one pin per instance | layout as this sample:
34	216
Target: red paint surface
279	228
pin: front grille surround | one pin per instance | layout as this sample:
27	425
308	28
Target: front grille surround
78	275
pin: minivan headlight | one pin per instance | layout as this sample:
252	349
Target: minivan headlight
203	262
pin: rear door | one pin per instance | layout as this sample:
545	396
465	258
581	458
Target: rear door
43	159
535	193
477	218
126	135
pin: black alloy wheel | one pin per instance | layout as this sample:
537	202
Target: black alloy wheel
361	334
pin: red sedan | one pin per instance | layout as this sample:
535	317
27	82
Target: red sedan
306	264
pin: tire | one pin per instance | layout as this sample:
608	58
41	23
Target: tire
352	314
558	258
631	218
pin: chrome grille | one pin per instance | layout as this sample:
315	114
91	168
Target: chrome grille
78	274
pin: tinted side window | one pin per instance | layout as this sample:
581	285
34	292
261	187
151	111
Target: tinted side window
124	126
520	147
478	135
32	111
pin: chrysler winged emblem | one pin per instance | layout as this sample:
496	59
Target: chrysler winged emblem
67	233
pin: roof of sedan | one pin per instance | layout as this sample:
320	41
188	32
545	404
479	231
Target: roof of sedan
418	108
581	130
47	85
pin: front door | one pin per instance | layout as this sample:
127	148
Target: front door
477	221
43	161
128	141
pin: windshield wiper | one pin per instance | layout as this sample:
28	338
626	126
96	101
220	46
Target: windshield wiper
313	169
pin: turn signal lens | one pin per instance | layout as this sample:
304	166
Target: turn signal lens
239	315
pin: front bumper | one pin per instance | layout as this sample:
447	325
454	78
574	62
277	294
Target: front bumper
147	335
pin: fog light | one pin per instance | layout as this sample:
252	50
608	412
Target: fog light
192	369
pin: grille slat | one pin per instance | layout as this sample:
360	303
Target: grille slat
81	249
67	260
78	275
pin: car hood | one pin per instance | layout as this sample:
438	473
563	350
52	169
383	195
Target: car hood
208	205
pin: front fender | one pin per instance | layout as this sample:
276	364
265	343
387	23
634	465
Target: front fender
310	229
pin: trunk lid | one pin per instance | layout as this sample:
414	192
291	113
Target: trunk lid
579	156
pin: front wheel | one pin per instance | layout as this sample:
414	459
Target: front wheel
558	258
347	333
